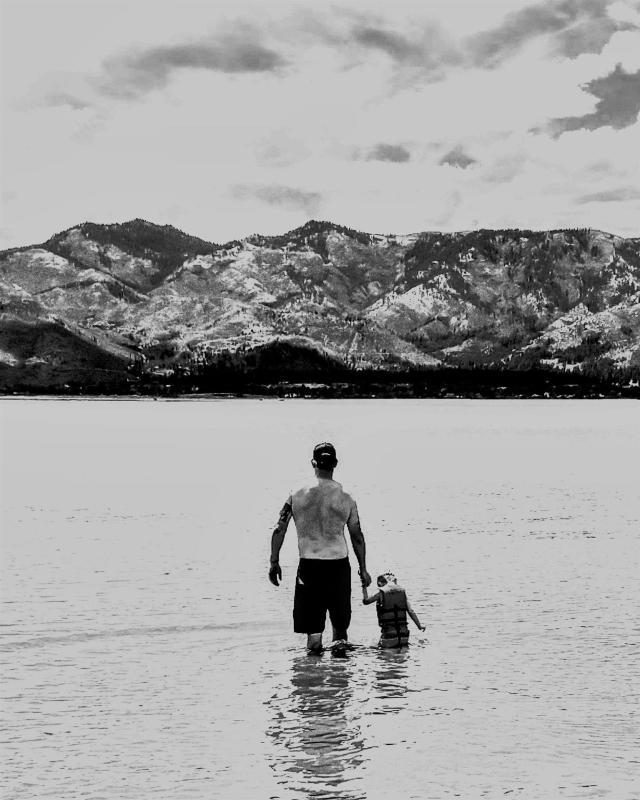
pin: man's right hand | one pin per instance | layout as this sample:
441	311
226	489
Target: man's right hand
275	574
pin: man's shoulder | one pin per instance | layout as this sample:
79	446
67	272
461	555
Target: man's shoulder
314	485
301	490
343	493
330	489
347	495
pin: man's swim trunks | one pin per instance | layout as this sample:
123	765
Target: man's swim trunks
321	586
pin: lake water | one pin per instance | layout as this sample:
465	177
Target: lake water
145	654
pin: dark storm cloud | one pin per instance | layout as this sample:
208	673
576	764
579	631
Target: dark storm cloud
620	195
277	195
135	74
389	152
457	158
618	104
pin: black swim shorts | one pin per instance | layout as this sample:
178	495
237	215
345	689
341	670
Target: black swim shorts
321	586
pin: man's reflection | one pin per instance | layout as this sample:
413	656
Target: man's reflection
316	731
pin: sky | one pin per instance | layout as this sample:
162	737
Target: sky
231	118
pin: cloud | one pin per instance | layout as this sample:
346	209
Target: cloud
601	166
395	153
625	12
505	168
618	104
588	36
61	99
427	49
457	158
393	44
277	195
492	47
132	75
574	27
279	148
577	26
620	195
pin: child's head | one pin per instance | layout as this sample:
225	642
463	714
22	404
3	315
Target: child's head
385	578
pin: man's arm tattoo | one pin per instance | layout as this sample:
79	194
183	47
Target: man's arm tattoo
285	515
277	537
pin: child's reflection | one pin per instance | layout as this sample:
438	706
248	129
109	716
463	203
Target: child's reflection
391	673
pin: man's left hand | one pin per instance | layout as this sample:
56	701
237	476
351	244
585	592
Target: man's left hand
365	578
275	574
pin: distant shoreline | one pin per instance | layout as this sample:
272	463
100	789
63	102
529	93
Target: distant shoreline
434	383
212	398
313	393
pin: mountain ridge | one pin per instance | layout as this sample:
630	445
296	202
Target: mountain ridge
561	300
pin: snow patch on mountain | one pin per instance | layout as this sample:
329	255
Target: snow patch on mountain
470	346
44	259
37	270
8	358
196	266
612	332
11	290
426	301
133	270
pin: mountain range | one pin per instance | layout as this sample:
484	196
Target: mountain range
120	306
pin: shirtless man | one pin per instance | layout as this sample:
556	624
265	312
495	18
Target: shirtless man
323	582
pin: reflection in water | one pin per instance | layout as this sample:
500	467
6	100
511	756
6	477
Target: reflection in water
316	730
391	674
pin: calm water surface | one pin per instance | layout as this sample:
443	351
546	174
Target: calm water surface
144	653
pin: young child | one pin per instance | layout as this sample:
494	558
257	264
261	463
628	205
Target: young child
392	605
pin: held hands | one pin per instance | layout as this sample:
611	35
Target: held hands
365	578
275	574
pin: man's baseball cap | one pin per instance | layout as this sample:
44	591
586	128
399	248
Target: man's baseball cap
324	454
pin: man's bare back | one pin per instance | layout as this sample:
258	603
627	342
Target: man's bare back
320	512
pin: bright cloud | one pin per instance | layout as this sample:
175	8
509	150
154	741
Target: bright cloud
226	119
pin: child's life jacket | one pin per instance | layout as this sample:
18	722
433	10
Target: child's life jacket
392	612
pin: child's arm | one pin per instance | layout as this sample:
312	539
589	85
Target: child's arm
414	617
366	600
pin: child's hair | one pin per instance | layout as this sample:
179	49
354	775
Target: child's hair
385	578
